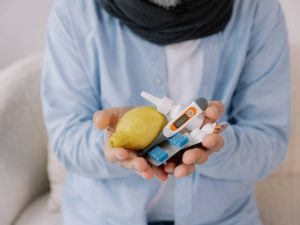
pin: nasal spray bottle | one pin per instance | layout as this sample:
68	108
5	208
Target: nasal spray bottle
184	129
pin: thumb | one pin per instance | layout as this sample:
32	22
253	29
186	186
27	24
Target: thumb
108	118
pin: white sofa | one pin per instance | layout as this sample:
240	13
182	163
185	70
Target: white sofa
23	142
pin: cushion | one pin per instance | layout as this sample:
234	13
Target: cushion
37	213
56	175
23	138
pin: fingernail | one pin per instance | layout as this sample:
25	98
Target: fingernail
120	155
163	179
168	170
95	116
145	176
96	120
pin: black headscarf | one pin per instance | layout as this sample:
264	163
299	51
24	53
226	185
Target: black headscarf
191	19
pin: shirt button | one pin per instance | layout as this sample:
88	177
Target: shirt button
158	81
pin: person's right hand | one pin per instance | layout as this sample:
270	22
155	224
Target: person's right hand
108	119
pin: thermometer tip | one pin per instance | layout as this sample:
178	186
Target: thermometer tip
202	103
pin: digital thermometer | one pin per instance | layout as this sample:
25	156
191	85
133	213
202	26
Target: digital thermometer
187	115
170	140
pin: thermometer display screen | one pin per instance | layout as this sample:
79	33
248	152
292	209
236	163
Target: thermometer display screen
181	121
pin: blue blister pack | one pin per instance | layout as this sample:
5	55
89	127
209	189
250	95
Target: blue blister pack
159	154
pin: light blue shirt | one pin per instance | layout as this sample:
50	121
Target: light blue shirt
93	62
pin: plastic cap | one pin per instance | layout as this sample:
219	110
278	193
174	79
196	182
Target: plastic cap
163	105
209	128
151	98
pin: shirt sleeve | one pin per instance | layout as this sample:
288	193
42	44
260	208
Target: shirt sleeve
259	117
70	96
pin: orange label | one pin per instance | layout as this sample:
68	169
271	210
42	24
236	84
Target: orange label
188	114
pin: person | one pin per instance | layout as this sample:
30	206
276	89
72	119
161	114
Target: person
102	53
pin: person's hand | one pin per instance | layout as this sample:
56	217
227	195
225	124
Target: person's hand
108	119
211	143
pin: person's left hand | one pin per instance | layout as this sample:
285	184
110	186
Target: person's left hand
211	143
108	119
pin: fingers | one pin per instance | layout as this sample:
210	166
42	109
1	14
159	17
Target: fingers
143	169
194	156
160	173
135	163
147	174
150	172
170	167
108	118
130	160
140	166
213	142
183	170
114	154
125	158
214	111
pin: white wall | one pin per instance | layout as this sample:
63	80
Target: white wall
23	22
292	14
22	28
292	9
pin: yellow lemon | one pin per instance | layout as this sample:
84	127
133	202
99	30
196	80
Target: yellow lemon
138	128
